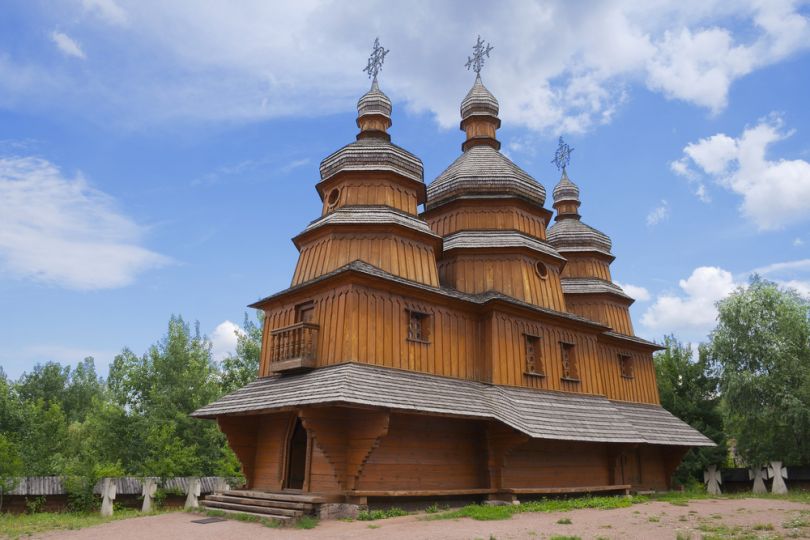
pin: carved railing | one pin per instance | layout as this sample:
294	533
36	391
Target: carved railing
294	347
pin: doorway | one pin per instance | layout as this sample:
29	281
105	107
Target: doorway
297	457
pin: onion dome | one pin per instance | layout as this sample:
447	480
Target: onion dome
565	190
479	101
572	235
372	154
483	171
374	102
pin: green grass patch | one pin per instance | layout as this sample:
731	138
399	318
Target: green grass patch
558	537
484	512
20	525
564	521
654	519
372	515
306	522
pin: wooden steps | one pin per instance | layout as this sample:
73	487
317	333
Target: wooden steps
281	506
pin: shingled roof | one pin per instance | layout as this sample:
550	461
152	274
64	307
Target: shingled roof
369	215
579	285
489	239
539	414
573	235
375	155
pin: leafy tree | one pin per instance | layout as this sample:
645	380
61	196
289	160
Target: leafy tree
761	347
688	390
243	367
11	466
73	390
43	438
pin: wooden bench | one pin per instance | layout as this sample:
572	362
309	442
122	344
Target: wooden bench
568	490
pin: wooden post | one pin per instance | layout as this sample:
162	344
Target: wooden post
108	490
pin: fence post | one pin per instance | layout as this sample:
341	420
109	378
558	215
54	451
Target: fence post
756	474
149	490
107	496
192	493
779	475
712	478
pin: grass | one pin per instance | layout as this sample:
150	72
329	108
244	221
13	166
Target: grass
306	522
19	525
564	521
372	515
490	513
267	522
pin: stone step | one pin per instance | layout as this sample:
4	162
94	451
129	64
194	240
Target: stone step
252	501
282	519
253	509
275	496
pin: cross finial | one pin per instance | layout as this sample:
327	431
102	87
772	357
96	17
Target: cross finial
375	61
562	157
476	61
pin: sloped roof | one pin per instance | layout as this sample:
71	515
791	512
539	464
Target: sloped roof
479	100
573	235
375	155
565	190
539	414
591	286
483	170
497	239
374	102
371	215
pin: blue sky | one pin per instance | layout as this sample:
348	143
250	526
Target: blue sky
156	159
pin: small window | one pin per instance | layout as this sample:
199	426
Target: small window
418	326
534	360
333	197
541	269
626	365
569	362
305	312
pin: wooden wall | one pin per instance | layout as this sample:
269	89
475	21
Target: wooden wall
600	309
401	256
540	463
513	275
427	452
369	325
272	432
371	190
586	266
461	218
241	434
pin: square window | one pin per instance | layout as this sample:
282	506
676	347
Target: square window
534	360
626	365
418	326
305	312
569	362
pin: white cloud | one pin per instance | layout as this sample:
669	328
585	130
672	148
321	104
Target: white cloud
802	287
224	339
775	193
658	214
62	231
556	66
639	293
801	265
798	242
107	10
67	45
691	313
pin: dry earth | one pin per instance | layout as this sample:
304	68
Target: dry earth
658	520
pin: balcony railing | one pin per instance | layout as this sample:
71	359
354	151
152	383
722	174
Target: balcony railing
294	347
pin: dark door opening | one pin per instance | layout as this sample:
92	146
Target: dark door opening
297	457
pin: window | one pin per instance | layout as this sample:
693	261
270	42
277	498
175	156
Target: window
333	197
305	312
534	360
569	362
626	365
418	326
541	269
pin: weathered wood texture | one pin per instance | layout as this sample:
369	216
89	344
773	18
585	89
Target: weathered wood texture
556	463
603	310
272	434
424	452
579	265
488	216
241	434
377	189
364	324
513	275
406	257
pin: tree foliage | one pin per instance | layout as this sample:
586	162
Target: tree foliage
689	390
761	348
58	420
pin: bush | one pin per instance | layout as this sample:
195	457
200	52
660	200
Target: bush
34	505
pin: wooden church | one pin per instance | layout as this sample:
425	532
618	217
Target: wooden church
446	339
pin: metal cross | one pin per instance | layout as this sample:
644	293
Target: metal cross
562	157
476	61
375	61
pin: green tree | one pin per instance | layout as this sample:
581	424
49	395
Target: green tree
11	466
73	390
761	347
689	390
243	367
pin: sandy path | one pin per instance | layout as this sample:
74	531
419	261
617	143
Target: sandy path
657	520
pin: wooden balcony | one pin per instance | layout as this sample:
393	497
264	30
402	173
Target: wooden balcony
294	347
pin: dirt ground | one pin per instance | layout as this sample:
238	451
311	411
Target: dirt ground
760	518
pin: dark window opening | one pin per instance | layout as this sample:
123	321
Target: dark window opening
534	359
305	312
418	326
626	364
569	362
297	457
